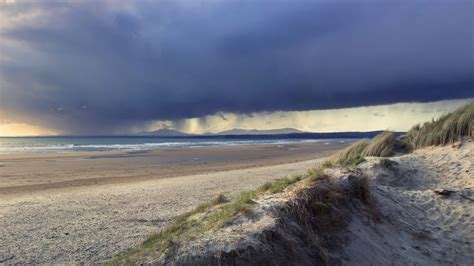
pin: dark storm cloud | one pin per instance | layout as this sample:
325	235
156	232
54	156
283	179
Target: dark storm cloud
98	68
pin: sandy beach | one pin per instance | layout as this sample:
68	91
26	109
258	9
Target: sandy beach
87	207
411	209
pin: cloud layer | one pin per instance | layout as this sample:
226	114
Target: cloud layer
83	67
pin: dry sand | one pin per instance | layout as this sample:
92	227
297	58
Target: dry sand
420	227
88	207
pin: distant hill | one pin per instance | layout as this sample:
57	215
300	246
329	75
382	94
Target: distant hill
290	133
238	131
301	135
165	132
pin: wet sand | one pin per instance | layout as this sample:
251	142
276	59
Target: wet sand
33	172
73	208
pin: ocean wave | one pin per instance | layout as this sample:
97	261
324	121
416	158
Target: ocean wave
71	147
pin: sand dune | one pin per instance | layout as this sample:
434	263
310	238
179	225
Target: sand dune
419	211
420	226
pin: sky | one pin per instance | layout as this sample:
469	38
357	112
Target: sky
118	67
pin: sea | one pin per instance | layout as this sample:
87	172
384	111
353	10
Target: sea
93	144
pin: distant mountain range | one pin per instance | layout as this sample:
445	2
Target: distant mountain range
238	131
166	132
245	133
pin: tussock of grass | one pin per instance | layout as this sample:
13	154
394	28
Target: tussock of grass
322	210
221	198
317	173
360	190
279	184
444	130
327	164
382	145
352	155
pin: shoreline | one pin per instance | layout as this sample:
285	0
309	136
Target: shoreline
32	172
72	149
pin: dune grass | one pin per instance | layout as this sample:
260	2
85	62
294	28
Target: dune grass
205	217
352	155
447	129
382	145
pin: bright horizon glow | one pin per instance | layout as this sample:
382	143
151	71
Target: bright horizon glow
23	130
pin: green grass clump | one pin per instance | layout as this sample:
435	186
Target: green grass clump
317	173
221	198
447	129
382	145
280	184
352	155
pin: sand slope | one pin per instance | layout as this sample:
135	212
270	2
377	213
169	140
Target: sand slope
419	226
404	222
